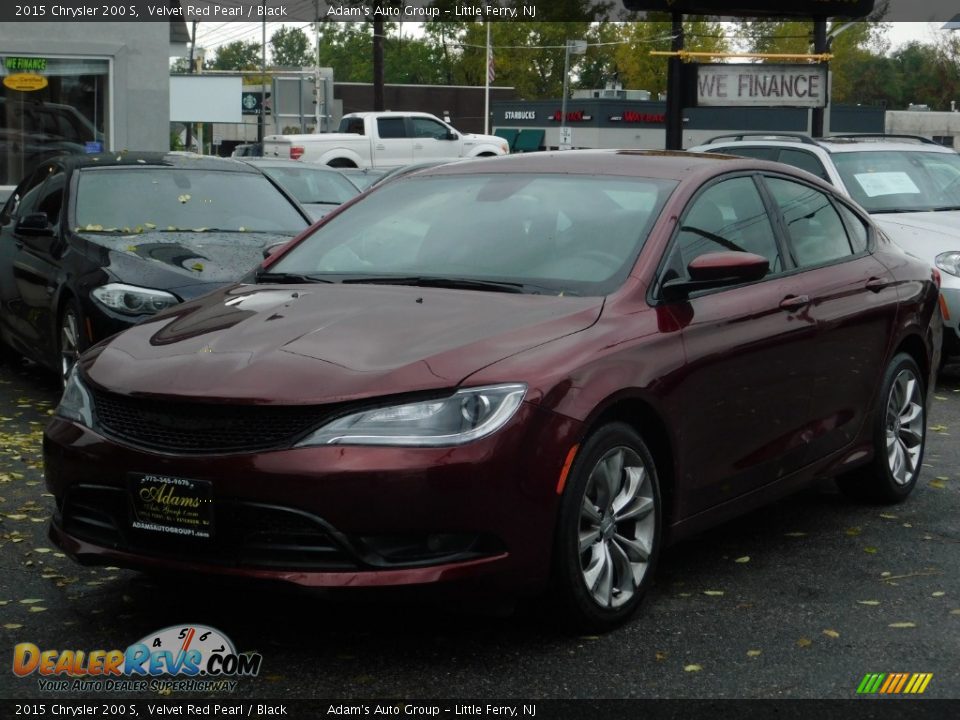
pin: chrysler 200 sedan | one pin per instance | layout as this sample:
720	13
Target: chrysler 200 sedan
513	375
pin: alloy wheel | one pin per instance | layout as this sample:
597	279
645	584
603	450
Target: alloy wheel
617	527
69	342
904	426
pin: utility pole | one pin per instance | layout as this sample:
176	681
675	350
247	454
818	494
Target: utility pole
674	129
193	47
261	127
820	46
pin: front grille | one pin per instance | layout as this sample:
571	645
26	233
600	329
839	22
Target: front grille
184	427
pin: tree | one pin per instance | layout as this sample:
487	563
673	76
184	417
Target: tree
237	55
290	48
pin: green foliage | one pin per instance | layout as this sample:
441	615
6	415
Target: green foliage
237	55
290	48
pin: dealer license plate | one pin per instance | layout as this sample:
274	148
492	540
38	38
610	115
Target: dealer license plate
172	506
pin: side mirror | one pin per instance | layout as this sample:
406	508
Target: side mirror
451	136
718	269
35	225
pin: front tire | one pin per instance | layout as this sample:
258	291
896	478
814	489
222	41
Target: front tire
608	533
70	339
899	438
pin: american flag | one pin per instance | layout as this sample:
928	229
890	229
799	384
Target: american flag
491	71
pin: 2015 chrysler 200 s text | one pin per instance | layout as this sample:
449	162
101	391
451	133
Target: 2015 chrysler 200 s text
505	372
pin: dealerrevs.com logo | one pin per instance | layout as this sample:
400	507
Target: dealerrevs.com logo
188	658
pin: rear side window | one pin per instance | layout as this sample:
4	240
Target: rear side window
857	230
805	161
391	127
816	233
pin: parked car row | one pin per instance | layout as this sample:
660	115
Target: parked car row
515	375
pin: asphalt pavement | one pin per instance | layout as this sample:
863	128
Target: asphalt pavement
799	600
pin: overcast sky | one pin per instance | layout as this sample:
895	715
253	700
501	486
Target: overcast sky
211	35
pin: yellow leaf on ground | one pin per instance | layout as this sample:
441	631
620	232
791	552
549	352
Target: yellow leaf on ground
37	608
660	656
804	642
744	559
13	626
754	653
938	593
831	633
955	611
30	601
868	602
902	625
692	668
713	593
853	531
871	550
888	516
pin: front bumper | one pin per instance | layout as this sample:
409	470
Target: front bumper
332	516
950	292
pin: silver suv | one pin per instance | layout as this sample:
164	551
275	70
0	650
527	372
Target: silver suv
909	185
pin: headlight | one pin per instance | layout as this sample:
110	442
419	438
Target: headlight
466	415
76	403
133	300
949	262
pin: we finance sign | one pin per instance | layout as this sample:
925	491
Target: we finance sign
762	85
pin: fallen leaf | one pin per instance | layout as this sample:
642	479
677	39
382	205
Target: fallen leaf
831	633
30	601
868	602
744	559
692	668
13	626
853	531
37	608
938	593
938	484
754	653
943	477
888	516
660	656
589	637
713	593
938	428
795	534
871	550
902	625
907	525
42	550
804	642
955	611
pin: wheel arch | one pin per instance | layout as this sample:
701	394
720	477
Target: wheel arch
650	425
914	346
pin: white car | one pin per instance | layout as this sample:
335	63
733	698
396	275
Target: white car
909	185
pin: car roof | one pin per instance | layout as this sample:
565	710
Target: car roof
868	142
189	161
284	162
663	164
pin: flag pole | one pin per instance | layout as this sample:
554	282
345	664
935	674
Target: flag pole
486	92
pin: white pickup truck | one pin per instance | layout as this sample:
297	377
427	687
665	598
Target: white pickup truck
384	140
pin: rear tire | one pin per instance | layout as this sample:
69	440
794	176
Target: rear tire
899	437
608	531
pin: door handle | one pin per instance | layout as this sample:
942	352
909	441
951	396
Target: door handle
794	302
381	147
876	284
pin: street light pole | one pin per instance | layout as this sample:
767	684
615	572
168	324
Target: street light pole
566	81
261	127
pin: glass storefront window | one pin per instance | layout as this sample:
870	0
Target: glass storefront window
50	106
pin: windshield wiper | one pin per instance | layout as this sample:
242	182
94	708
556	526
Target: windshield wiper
944	208
443	282
262	276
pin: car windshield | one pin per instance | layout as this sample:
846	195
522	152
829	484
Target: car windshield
313	185
560	234
887	181
141	199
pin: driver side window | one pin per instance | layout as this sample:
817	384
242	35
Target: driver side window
727	217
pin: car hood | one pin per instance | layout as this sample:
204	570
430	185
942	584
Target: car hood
176	260
922	234
311	344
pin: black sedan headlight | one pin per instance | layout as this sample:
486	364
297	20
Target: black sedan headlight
76	403
133	300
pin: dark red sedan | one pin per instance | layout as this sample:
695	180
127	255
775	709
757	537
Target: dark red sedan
500	373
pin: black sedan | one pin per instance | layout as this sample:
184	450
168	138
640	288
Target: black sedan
92	244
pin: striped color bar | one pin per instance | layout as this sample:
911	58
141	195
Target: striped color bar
894	683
